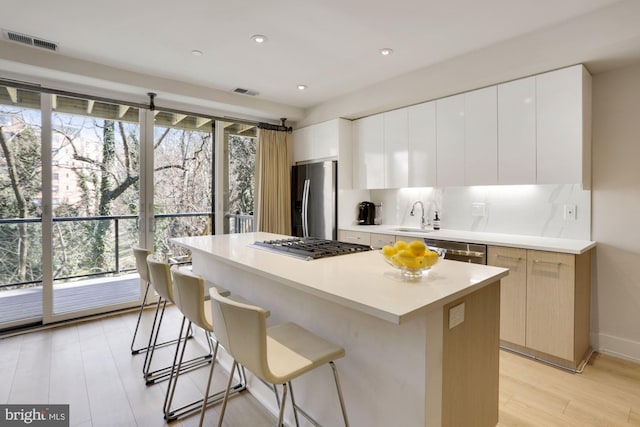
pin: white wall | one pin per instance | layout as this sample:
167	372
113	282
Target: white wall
615	325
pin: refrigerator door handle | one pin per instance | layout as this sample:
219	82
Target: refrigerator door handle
305	208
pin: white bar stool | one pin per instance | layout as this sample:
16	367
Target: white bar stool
189	296
141	255
277	354
142	267
160	275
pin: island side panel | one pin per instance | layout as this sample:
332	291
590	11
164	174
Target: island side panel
383	373
471	360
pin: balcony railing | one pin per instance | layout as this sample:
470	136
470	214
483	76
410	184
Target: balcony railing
124	229
239	223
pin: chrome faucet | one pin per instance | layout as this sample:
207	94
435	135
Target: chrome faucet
423	223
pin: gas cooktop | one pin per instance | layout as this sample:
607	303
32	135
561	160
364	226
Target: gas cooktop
310	247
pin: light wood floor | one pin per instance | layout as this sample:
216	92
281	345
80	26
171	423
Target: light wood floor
89	366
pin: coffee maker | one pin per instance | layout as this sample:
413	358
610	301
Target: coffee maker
366	213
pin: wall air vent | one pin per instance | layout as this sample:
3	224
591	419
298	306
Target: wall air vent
245	91
29	40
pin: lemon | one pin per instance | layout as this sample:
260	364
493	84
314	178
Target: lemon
388	251
407	258
400	245
430	258
395	260
417	247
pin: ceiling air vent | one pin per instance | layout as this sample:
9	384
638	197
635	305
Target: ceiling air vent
245	91
31	41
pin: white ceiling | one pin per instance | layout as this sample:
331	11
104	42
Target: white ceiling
329	45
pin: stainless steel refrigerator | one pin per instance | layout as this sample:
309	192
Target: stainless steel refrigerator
314	200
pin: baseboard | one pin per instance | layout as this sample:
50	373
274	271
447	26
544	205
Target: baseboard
616	346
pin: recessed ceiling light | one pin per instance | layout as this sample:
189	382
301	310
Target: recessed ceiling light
196	52
386	51
258	38
302	87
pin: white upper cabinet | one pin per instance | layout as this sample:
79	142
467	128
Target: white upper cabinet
316	142
481	137
302	146
563	106
517	132
331	139
368	152
450	141
535	130
396	146
422	145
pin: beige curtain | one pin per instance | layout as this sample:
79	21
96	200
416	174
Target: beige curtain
273	182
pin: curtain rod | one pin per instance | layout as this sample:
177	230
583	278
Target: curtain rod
34	87
281	127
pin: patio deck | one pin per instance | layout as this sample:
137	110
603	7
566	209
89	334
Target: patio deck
26	303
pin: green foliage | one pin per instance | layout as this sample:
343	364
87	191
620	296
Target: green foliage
242	162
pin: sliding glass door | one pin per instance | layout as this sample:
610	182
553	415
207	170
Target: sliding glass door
84	180
237	168
20	207
95	174
182	180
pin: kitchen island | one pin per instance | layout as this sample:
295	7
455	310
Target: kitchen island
418	353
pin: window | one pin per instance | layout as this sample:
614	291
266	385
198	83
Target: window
240	158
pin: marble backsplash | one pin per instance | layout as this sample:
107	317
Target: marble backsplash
536	210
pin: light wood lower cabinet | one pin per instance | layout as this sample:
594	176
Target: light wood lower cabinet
545	303
513	292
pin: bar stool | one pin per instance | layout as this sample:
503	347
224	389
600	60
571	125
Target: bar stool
142	267
160	277
141	255
277	354
189	296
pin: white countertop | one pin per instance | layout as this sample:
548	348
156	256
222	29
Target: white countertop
551	244
361	281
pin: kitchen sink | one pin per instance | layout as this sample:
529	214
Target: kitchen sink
413	230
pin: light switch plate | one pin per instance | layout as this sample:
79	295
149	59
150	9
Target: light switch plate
478	209
456	315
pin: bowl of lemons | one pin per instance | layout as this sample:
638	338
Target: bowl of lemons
411	258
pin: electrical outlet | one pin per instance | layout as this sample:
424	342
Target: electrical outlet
570	212
456	315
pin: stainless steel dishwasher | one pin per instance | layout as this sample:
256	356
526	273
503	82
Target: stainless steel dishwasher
459	251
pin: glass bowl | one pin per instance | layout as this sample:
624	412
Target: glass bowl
416	267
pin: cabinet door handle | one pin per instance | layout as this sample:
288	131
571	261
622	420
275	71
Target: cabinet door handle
541	261
518	258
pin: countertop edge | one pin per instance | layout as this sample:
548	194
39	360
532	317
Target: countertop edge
550	244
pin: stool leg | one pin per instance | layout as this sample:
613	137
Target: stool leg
167	404
206	392
177	372
154	336
226	393
284	401
135	332
342	405
151	335
293	402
